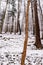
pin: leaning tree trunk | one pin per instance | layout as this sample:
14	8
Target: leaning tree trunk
38	40
26	35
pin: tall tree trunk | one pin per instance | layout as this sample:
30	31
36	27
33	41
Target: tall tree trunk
33	16
26	35
23	19
12	16
2	18
18	22
38	40
41	16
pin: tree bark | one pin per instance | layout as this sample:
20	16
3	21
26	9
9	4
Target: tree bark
18	22
37	29
41	16
33	16
2	18
26	35
12	16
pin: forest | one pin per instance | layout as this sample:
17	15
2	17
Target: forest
21	32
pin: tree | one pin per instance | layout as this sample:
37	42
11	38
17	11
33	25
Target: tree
41	17
23	18
13	14
18	22
33	16
2	15
26	35
37	29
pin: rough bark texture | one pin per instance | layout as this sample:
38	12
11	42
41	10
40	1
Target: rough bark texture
38	40
26	35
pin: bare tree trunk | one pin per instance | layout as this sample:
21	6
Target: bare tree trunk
38	40
23	19
2	19
41	16
33	16
26	35
12	16
18	22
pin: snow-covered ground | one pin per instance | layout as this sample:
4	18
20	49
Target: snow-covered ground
11	48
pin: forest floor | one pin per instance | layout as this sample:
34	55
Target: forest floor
11	48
